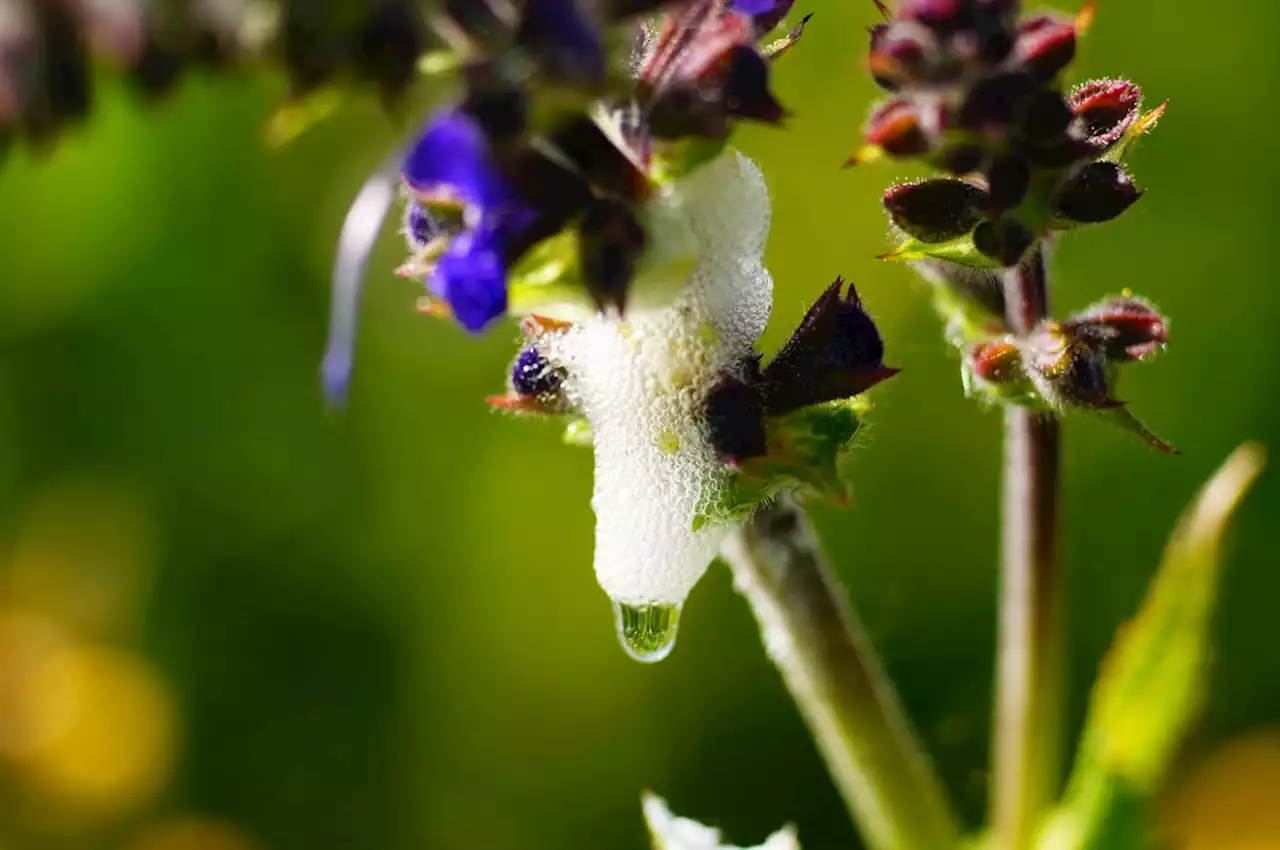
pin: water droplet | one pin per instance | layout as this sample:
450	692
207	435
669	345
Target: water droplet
647	632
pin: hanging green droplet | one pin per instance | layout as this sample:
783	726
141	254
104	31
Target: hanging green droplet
647	632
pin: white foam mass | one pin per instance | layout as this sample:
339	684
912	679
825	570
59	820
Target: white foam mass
640	382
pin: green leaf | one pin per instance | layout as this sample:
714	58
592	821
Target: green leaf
1152	682
960	250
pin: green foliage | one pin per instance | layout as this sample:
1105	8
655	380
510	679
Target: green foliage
1153	680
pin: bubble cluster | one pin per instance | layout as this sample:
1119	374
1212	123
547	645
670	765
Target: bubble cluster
640	381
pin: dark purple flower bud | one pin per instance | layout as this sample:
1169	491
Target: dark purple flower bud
896	128
735	419
1105	110
997	362
472	277
1066	371
1045	45
500	109
899	52
1048	116
746	87
533	375
1008	179
1098	192
1123	329
1003	240
389	44
452	162
552	193
961	159
681	111
935	210
563	41
835	353
994	102
420	226
610	242
599	159
942	15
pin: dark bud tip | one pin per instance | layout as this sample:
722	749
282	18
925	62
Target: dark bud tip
1124	329
533	375
420	226
1100	191
996	362
1045	45
835	353
1008	179
895	128
1003	240
735	419
935	210
1105	110
746	87
610	242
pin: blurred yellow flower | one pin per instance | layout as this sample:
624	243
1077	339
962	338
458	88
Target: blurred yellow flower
1230	800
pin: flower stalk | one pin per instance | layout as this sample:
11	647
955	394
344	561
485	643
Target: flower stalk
1027	740
816	641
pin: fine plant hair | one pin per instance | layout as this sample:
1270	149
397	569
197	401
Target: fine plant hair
581	180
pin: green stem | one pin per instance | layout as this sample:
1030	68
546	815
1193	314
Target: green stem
817	643
1027	738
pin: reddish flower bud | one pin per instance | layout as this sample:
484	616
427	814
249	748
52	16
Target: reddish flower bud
1123	329
940	14
996	362
935	210
898	53
1003	240
1098	192
1046	44
1105	110
895	128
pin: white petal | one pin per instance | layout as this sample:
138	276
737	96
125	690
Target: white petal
676	833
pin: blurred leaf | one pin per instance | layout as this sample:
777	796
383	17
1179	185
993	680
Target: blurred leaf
1152	681
675	833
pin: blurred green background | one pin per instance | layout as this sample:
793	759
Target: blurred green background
230	619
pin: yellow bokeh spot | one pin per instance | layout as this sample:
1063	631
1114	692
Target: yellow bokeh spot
81	726
193	833
1229	801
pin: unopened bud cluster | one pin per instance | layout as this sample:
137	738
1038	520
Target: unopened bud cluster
976	90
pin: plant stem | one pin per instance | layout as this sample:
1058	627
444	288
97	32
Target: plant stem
1027	736
813	636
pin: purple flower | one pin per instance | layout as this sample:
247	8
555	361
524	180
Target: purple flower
472	276
452	162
